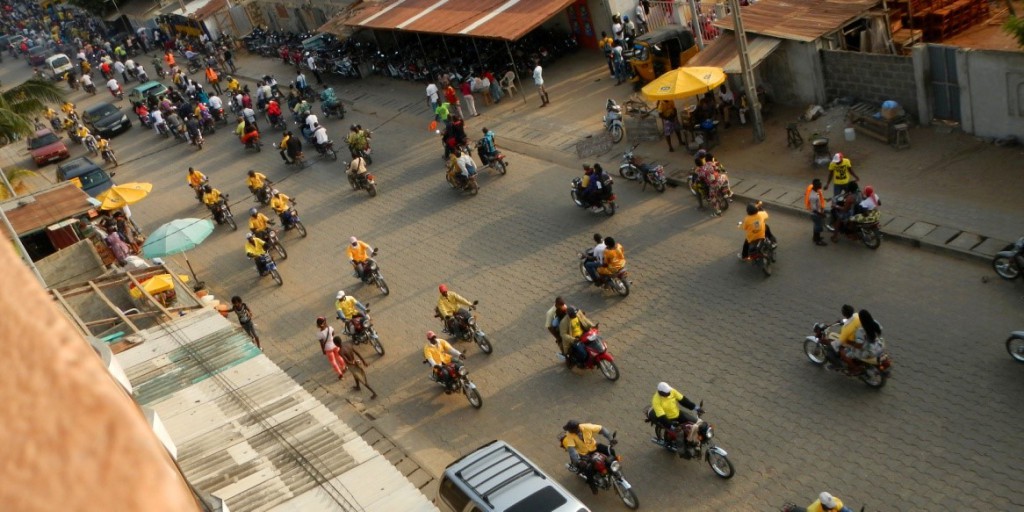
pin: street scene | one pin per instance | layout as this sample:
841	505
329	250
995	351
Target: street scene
934	428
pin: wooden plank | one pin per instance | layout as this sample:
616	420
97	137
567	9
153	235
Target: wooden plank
139	287
111	305
81	325
115	319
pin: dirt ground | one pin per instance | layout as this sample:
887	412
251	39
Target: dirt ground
990	35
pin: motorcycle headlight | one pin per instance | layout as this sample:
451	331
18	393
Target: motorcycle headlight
472	321
615	466
711	433
463	371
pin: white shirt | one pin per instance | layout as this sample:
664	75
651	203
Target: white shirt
327	337
432	92
86	80
130	64
870	203
119	67
249	114
599	252
311	120
726	97
112	85
640	13
157	115
321	135
617	30
311	62
464	160
538	77
215	102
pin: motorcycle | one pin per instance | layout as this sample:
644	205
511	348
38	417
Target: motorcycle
1009	262
222	213
198	141
675	440
463	184
372	274
632	168
606	474
296	223
90	144
617	283
466	328
458	381
607	204
326	150
89	88
108	156
163	130
363	181
498	162
271	268
790	507
199	189
762	254
874	372
864	227
613	121
262	195
273	242
118	94
254	143
360	330
1015	346
219	116
337	109
596	354
277	122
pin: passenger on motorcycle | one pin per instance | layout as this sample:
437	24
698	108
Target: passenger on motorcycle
250	116
87	81
487	148
251	135
192	129
273	111
233	86
827	503
195	179
356	168
216	104
356	140
328	99
613	263
280	204
212	199
847	335
843	209
755	224
448	303
571	329
867	343
294	147
320	137
665	410
258	223
466	166
868	206
254	249
255	182
580	441
348	308
438	353
359	255
596	186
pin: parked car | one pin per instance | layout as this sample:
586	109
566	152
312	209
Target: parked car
46	146
86	174
16	40
106	120
140	93
37	55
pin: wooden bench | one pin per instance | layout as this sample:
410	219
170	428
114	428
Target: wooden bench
862	117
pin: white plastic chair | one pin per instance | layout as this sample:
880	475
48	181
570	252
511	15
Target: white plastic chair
508	83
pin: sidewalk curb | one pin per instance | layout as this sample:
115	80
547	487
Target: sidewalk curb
955	242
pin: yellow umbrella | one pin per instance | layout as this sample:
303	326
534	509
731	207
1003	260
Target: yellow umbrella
120	196
683	82
156	284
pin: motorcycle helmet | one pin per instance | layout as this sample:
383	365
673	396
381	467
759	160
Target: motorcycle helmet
340	295
252	211
275	192
573	312
751	209
869	191
442	288
571	426
664	389
248	236
431	337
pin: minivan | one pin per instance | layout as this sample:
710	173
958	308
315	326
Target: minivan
58	65
91	178
496	477
141	93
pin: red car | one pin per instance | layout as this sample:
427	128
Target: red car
47	147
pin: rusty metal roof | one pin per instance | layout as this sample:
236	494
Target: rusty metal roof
497	19
41	209
722	52
799	20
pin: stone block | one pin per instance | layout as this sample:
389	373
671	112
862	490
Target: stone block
941	235
896	225
990	246
919	230
965	241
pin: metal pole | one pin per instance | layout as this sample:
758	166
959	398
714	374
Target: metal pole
511	59
696	24
445	43
479	60
119	15
14	235
747	72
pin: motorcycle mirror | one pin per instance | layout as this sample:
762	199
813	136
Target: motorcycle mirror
367	306
475	302
113	174
374	253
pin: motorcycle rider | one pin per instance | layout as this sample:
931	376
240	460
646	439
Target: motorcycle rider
466	166
571	329
254	249
356	140
553	319
487	150
195	180
255	182
273	111
613	262
598	251
448	304
867	342
359	255
755	225
258	223
192	130
212	199
103	145
348	308
280	204
438	353
284	146
847	335
580	441
827	503
328	99
320	138
843	208
294	147
665	410
356	168
595	186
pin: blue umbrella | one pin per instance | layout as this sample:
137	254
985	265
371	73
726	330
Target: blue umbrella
176	237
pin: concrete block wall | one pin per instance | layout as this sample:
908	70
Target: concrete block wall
870	77
73	264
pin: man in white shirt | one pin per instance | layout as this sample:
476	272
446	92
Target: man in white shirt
250	115
113	86
216	103
311	62
312	121
158	119
538	79
726	102
599	249
641	19
320	136
432	96
119	68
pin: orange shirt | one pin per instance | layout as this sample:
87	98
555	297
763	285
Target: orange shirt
755	225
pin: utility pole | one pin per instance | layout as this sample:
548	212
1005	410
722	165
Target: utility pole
14	235
747	71
695	19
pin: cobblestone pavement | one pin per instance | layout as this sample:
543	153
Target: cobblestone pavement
943	434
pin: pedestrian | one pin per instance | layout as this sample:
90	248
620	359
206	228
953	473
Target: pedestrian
467	96
354	360
839	173
607	44
327	346
619	63
432	97
453	100
311	62
482	85
496	92
229	59
553	319
245	319
814	201
670	122
538	79
641	19
213	79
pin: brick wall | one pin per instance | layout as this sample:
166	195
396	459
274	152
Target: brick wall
870	77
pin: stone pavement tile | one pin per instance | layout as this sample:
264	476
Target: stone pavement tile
896	225
990	247
919	230
420	479
792	198
964	241
940	236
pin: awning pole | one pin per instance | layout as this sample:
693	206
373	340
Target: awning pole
398	46
445	43
479	60
522	88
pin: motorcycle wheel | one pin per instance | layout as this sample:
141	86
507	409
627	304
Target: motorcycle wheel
627	496
277	277
301	229
474	397
720	465
616	134
871	238
629	172
873	378
375	341
382	285
1006	267
474	188
620	286
766	264
575	199
583	270
334	155
369	159
231	222
500	167
372	190
259	147
1015	346
483	343
815	352
609	208
659	186
609	370
281	251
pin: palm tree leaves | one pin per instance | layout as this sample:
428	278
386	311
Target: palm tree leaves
20	104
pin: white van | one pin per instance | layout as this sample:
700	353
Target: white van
58	65
497	478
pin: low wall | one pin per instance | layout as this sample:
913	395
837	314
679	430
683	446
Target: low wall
72	264
870	77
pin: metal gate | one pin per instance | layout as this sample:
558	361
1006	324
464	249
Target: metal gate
945	87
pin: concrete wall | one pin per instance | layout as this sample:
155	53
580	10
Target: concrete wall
73	264
991	92
793	74
870	77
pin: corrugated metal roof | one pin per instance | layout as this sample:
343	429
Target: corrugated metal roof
498	19
249	434
803	20
722	52
47	207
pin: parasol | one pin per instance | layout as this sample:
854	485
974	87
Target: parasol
683	82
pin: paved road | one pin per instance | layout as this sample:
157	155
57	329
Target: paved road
941	436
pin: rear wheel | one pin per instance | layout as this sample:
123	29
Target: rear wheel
609	370
1006	267
474	398
371	189
483	343
871	238
815	352
300	228
720	465
1015	346
277	277
619	286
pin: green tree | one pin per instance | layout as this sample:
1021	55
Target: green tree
1015	27
23	181
20	105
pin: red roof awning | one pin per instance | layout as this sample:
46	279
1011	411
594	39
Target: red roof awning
497	19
